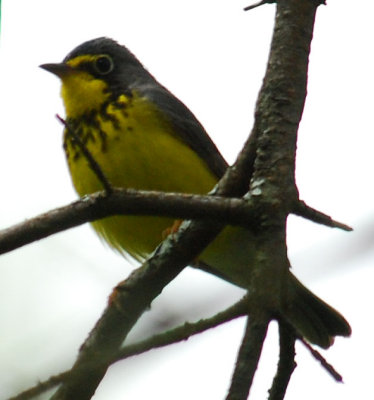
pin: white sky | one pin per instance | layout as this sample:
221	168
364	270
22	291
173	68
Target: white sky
211	55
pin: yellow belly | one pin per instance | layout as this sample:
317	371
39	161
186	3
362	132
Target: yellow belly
138	151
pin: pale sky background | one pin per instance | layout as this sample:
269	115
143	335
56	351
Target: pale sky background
212	55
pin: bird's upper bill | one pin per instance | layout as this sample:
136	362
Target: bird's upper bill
58	69
81	92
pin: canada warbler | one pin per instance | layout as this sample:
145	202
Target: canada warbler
143	137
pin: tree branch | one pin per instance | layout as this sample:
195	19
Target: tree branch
185	331
235	211
41	387
286	363
327	366
129	202
259	4
278	113
248	357
307	212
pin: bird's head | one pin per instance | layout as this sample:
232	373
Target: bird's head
94	72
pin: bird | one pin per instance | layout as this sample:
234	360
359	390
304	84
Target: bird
143	137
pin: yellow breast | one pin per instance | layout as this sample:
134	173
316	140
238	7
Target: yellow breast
136	148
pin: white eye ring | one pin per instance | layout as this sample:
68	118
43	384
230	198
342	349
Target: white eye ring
104	65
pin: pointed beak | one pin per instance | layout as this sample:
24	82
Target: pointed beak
58	69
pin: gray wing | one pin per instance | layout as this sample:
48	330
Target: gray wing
186	125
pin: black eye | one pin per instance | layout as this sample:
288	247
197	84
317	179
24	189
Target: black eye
103	65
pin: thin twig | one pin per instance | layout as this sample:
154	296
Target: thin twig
303	210
286	363
171	336
260	3
327	366
41	387
248	357
184	331
95	167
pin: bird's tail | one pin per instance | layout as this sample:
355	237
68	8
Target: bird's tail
314	319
